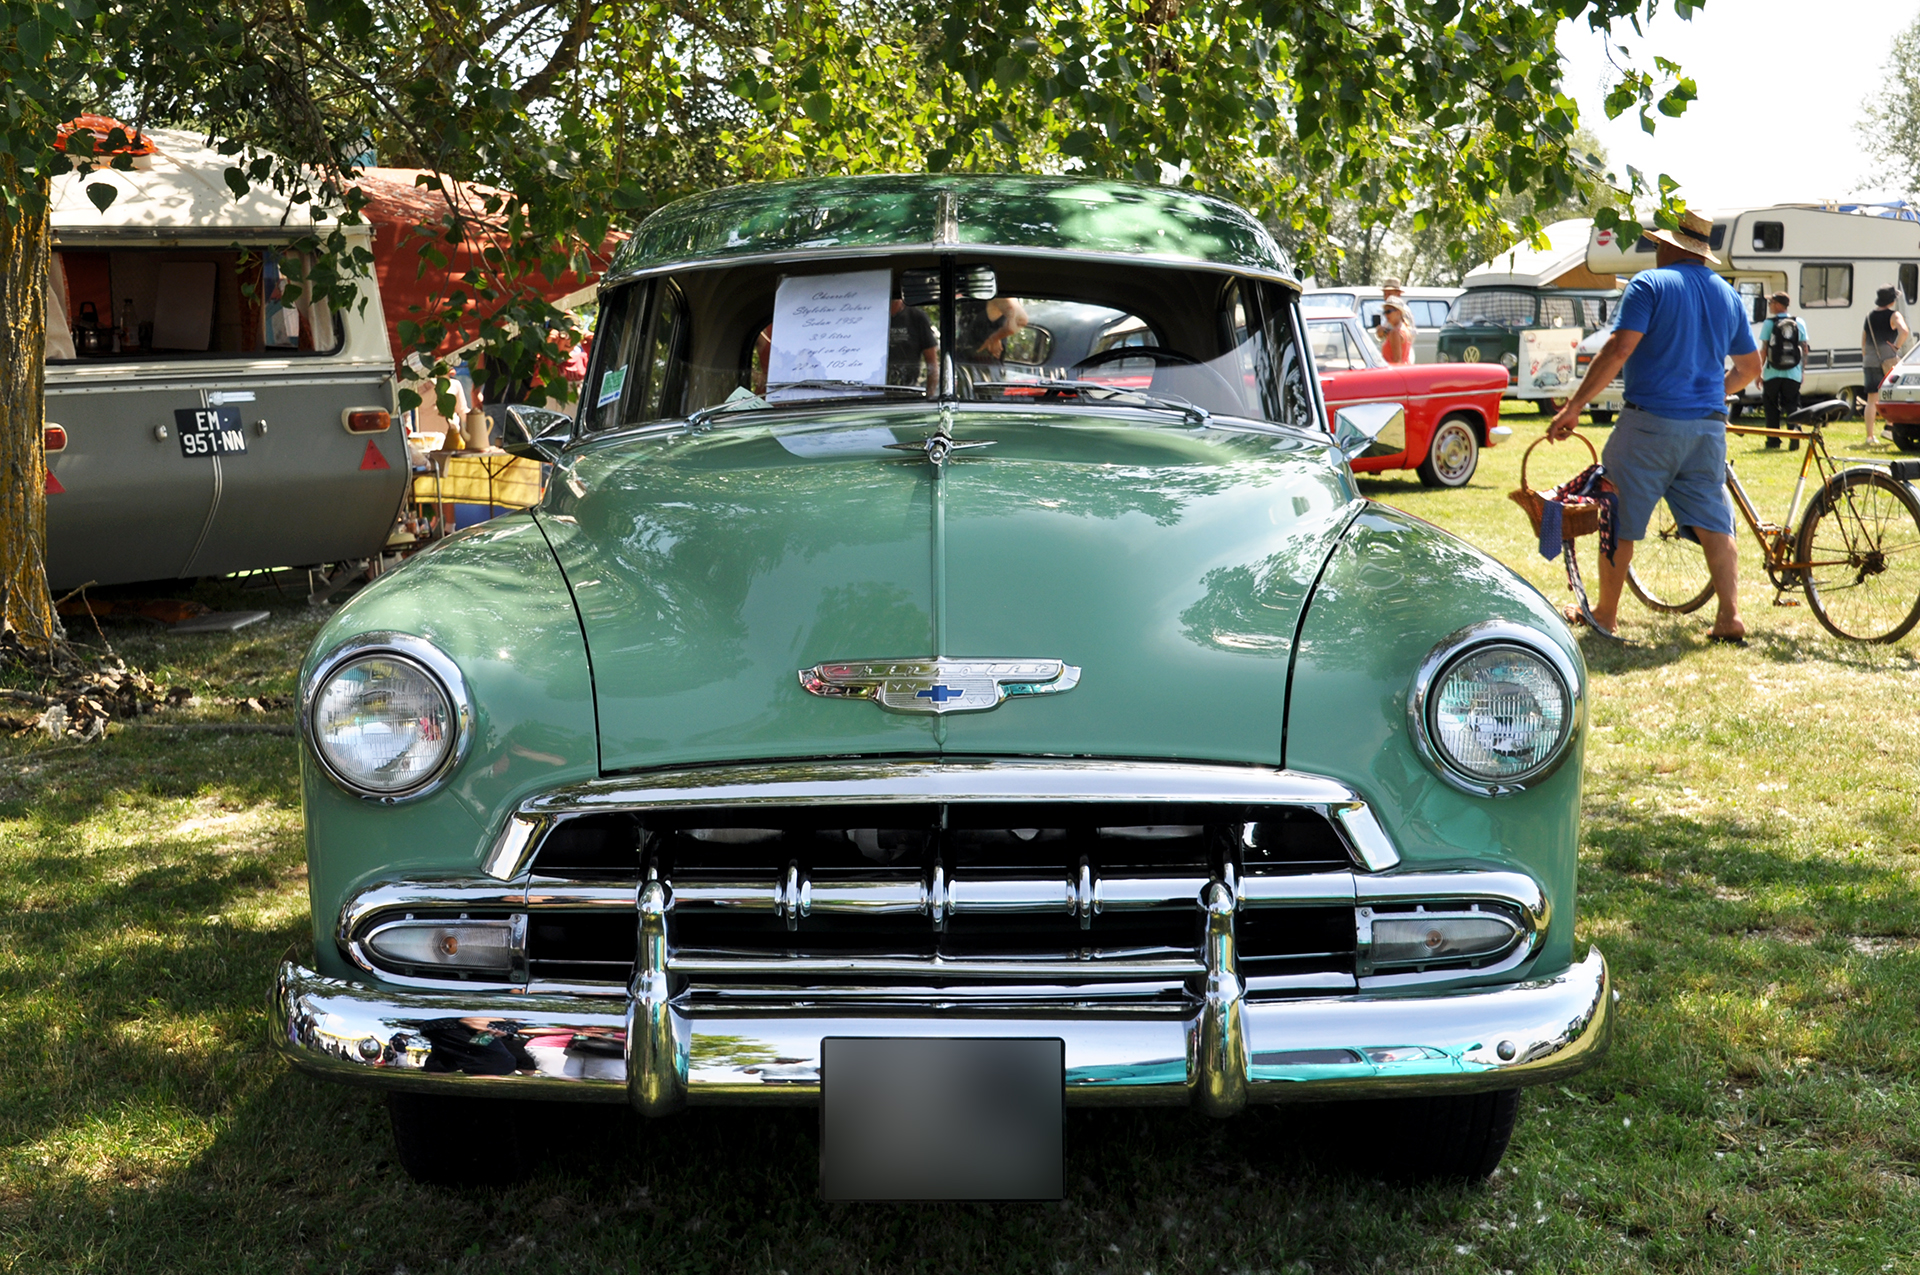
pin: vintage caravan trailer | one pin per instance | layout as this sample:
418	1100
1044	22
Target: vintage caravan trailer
196	423
1829	261
1528	309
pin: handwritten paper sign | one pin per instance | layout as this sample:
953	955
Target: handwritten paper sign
832	328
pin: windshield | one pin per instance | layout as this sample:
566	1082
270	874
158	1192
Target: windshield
1492	305
1341	301
1337	348
710	344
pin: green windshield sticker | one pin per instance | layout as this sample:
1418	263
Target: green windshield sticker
610	383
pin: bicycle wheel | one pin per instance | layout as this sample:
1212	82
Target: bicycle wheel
1669	572
1859	557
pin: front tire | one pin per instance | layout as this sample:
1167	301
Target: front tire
1601	417
1453	453
453	1141
1859	557
1453	1137
1669	571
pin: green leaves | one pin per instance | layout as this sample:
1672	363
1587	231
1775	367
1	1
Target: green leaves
101	195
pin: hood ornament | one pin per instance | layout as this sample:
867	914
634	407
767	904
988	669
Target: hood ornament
937	446
938	685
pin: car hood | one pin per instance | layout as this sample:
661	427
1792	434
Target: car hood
1168	563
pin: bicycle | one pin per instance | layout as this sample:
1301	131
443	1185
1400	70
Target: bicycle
1856	554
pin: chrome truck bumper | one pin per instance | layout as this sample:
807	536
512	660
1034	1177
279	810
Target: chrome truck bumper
1216	1051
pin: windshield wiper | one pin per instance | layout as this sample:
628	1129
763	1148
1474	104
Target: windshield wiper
745	400
851	387
1186	407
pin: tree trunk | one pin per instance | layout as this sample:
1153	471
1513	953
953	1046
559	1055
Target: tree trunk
26	608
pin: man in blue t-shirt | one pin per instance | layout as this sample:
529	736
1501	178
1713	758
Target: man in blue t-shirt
1677	325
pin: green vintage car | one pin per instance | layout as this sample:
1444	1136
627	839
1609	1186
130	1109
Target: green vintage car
879	695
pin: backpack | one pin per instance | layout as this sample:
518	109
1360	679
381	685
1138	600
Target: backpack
1783	348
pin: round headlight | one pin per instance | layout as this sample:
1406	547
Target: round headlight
1499	714
1509	360
383	724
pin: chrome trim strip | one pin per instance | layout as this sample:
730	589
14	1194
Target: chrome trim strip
1370	840
828	253
438	666
1452	647
513	848
933	967
1534	1032
1300	889
427	894
951	781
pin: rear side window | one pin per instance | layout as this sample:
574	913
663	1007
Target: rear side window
1769	236
1429	314
1826	287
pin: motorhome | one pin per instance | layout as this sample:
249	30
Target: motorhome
1429	307
1829	259
202	420
1528	309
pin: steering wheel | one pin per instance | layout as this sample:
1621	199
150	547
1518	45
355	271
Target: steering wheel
1164	357
1160	354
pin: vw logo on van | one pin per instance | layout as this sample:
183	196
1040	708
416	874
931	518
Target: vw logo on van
1470	355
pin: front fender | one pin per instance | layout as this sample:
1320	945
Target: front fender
494	601
1394	588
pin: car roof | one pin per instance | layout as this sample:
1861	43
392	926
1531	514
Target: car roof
1021	215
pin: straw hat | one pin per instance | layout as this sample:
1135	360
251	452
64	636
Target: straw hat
1693	236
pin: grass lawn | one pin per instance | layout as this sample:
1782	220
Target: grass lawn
1749	865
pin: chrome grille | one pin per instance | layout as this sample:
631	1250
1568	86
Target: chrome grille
1094	890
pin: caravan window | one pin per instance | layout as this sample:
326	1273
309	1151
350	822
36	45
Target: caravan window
126	304
1826	287
1910	282
1593	312
1768	236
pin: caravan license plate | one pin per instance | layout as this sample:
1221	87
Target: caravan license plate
209	431
926	1118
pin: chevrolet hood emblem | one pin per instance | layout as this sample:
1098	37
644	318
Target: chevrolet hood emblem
938	685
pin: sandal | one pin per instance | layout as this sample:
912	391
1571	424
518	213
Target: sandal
1728	639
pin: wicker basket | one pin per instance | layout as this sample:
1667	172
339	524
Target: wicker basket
1578	517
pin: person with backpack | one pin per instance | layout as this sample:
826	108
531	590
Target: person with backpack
1783	340
1882	338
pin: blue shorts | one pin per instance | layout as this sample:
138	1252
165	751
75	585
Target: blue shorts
1685	462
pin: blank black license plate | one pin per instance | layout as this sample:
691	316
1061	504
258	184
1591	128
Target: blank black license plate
921	1118
209	431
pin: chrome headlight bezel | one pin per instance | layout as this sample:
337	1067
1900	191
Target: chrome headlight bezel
428	659
1472	639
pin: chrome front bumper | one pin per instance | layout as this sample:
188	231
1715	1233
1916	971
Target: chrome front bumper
1217	1052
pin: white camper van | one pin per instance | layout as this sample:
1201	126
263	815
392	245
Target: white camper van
196	425
1830	261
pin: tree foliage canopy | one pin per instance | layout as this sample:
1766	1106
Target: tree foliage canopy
1432	113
